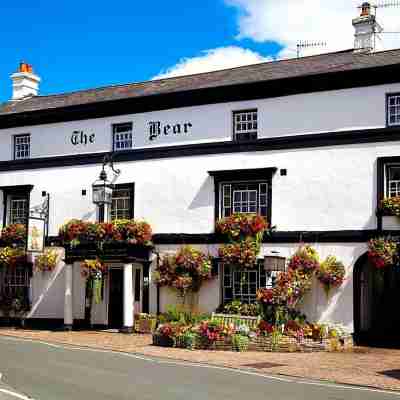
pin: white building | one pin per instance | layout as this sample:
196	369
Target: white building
311	143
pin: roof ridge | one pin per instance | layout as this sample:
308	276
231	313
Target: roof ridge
191	75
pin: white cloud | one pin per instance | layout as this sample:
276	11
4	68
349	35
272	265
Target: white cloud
213	60
290	21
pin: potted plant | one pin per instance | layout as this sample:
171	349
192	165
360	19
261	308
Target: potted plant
145	323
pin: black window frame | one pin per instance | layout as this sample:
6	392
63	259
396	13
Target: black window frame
131	188
15	137
252	135
114	126
243	175
9	191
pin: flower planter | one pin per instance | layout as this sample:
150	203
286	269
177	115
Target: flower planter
145	325
390	223
162	341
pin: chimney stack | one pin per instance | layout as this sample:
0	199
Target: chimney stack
366	27
24	82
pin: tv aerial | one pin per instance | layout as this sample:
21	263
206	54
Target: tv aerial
306	44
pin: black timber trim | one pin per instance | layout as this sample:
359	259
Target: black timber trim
17	190
378	75
271	144
343	236
246	175
380	184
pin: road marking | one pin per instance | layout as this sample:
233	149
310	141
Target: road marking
199	365
14	394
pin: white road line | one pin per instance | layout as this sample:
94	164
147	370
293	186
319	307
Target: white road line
199	365
14	394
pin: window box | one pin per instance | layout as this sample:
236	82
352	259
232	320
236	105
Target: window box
390	223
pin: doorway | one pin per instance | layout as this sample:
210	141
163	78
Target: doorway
376	320
115	305
137	288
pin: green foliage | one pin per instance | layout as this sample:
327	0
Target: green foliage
240	342
238	308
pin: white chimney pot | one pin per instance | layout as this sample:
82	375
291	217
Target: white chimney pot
24	83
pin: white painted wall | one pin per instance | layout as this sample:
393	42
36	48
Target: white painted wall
328	111
329	188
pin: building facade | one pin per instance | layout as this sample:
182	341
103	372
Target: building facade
312	144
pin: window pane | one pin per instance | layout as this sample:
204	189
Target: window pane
121	204
245	127
393	181
123	136
22	145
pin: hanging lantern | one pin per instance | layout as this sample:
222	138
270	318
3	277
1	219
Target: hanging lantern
102	190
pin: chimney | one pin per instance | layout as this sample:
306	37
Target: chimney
24	82
366	27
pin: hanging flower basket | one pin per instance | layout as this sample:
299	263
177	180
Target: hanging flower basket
10	257
331	274
14	235
185	270
47	261
304	259
383	252
241	253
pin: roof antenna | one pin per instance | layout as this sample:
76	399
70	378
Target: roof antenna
384	4
307	44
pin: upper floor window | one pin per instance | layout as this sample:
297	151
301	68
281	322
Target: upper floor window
122	202
393	180
244	197
122	136
22	146
393	111
245	125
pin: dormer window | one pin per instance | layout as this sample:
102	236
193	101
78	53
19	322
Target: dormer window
245	125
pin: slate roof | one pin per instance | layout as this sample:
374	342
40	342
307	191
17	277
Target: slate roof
315	65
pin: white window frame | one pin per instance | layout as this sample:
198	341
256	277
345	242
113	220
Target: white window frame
17	199
245	125
393	110
123	140
116	212
226	196
388	182
22	146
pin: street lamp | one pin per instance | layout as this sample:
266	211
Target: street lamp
102	189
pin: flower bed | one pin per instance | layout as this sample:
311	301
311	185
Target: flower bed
212	335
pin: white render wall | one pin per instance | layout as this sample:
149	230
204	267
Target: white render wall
337	308
347	109
327	188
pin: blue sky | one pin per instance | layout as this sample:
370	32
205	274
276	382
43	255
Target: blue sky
81	44
74	45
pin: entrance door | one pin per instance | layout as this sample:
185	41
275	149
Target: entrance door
115	305
137	288
377	321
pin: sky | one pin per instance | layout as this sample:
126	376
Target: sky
75	45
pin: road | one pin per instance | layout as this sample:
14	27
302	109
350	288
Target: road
48	372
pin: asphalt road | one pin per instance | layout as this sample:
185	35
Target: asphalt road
49	372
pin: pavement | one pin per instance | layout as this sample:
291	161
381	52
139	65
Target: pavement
46	371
